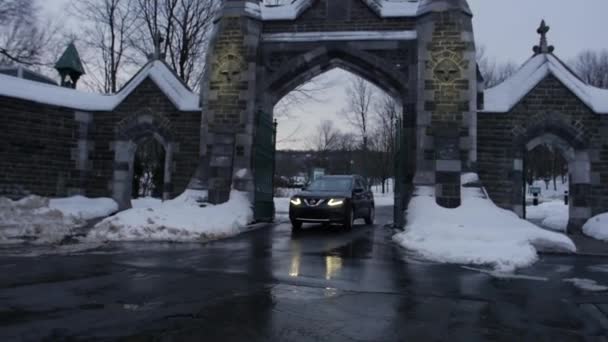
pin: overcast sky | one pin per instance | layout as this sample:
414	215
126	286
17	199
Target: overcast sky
507	28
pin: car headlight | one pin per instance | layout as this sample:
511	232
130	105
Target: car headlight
334	202
296	201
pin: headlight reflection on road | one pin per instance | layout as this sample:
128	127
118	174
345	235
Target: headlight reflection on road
333	264
294	269
296	252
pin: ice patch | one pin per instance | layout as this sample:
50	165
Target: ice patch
505	275
587	284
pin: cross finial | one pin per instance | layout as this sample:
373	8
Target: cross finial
544	46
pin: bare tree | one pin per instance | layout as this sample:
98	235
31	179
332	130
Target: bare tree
493	73
22	39
388	113
592	67
109	26
358	110
327	137
185	27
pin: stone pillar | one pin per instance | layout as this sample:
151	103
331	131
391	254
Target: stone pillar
81	153
580	191
447	97
229	102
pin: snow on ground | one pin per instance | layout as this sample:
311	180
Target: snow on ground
552	193
146	202
587	284
41	220
281	208
478	232
597	227
384	200
84	208
553	215
178	220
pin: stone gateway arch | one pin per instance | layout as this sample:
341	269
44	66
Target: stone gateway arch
420	52
423	54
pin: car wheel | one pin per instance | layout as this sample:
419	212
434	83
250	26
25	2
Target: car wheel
350	220
296	226
371	215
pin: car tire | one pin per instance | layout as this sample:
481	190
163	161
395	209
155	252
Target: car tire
371	215
296	226
349	222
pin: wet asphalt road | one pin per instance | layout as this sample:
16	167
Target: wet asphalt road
270	285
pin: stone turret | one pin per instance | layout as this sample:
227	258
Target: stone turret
70	67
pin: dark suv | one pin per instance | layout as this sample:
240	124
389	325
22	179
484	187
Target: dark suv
333	200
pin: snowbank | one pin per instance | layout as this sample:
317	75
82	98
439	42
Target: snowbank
478	232
179	220
553	215
146	202
597	227
41	220
84	208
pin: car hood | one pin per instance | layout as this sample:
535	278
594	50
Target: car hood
324	194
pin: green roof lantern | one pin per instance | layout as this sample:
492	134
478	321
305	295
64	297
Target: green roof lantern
70	67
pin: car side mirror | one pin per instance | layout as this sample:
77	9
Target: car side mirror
359	190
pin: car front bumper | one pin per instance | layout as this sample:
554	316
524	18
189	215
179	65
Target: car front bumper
323	214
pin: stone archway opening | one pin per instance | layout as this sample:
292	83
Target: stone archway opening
546	182
323	101
148	169
143	159
558	171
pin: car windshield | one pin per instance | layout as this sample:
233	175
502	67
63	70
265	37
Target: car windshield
331	184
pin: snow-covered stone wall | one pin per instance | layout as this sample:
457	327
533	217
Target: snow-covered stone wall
554	114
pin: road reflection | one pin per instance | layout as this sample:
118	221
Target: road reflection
333	265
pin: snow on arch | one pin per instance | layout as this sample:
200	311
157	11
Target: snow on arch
178	93
294	8
503	97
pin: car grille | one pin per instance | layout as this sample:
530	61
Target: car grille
313	202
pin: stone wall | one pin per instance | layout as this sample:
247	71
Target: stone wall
550	108
37	149
53	151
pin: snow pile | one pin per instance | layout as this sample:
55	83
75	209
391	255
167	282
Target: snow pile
31	219
181	220
478	232
587	284
84	208
41	220
552	215
146	202
597	227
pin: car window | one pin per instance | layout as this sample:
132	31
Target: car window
331	184
359	184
